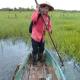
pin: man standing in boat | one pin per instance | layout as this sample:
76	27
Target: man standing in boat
38	30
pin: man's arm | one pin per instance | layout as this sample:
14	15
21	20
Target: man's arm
35	16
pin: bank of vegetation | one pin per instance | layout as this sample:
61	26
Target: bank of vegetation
66	29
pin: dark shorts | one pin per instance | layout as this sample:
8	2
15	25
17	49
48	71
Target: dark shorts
38	47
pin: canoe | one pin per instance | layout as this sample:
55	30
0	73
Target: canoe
49	70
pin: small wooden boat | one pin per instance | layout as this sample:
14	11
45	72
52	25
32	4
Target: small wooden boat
48	70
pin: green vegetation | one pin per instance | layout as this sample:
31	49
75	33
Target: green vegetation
14	24
66	29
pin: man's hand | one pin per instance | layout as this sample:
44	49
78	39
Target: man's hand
38	8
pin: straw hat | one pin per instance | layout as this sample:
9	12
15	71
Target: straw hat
49	6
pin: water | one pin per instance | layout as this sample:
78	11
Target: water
71	71
13	53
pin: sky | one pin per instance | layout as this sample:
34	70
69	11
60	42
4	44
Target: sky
57	4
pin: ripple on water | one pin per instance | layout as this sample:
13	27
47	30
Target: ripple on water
11	54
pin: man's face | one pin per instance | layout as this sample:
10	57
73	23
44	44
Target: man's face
45	10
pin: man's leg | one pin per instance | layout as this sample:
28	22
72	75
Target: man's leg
40	53
34	52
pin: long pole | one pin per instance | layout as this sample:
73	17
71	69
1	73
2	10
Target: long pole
50	36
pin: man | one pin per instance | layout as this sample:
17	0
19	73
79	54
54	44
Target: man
39	29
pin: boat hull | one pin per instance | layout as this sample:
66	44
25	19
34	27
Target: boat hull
50	61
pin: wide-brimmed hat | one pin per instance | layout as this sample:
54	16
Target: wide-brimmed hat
49	6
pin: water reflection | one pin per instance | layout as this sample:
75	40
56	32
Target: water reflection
11	54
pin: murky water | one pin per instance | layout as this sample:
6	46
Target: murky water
13	53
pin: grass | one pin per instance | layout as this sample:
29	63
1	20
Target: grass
66	30
12	26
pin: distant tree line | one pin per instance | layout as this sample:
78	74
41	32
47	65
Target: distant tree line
31	9
16	9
